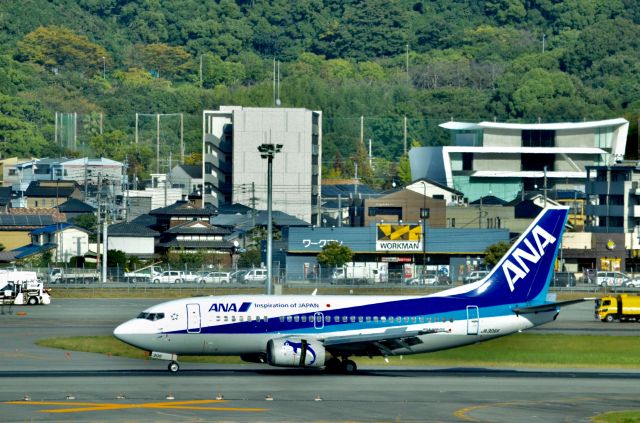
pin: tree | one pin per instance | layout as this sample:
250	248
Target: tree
494	253
116	258
57	46
334	255
250	258
166	61
88	221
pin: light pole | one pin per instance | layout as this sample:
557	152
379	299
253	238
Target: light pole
268	151
104	67
424	215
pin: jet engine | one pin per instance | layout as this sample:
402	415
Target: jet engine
295	352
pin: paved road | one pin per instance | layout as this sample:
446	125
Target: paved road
115	389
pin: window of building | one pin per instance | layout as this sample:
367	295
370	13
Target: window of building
467	161
538	138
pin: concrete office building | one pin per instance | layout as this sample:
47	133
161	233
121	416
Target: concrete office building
503	159
233	171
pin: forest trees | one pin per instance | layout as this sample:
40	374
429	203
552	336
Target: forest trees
377	60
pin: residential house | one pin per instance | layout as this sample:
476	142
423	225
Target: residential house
74	208
186	177
15	227
133	239
199	237
64	239
46	194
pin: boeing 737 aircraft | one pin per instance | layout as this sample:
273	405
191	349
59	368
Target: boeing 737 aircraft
325	331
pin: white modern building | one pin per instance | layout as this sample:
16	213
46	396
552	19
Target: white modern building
234	172
503	159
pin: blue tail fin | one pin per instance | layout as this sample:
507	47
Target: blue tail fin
524	273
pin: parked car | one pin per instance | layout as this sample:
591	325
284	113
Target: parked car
634	283
168	276
612	279
563	279
191	277
215	277
429	278
237	276
476	275
255	275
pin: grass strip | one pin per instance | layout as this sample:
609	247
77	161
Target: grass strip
519	350
630	416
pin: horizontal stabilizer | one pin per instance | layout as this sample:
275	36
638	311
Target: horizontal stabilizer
549	306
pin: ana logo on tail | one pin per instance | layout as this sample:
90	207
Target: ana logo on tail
514	271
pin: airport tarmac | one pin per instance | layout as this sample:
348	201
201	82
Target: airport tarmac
63	386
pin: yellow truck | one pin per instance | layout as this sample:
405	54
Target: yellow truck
621	307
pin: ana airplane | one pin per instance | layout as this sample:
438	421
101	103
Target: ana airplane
325	331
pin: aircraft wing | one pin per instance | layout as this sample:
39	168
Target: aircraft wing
549	306
377	343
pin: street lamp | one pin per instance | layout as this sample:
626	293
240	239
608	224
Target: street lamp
268	151
104	67
424	215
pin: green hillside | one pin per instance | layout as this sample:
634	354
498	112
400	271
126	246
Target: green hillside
426	61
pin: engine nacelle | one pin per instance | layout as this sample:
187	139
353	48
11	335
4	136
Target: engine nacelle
295	352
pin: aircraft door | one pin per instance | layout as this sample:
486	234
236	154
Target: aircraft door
193	318
473	320
318	321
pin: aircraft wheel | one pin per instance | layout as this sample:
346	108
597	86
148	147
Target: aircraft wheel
174	367
349	366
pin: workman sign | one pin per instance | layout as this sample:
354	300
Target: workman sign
399	237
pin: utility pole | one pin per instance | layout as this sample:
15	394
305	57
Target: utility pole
268	151
545	187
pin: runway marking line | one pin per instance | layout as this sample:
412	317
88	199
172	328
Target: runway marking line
462	413
78	407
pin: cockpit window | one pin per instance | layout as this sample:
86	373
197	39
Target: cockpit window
151	316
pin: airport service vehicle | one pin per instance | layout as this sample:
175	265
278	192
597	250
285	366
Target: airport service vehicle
168	276
144	274
18	287
361	272
71	275
620	307
325	331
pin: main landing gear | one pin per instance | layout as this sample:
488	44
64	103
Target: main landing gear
174	367
346	366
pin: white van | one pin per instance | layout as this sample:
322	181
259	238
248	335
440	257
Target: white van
255	275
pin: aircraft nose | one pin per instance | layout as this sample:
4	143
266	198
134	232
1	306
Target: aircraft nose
126	331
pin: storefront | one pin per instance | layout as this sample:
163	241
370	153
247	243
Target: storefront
454	251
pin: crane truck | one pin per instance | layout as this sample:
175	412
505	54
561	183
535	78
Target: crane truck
621	307
19	287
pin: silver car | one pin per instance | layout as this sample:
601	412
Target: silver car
216	277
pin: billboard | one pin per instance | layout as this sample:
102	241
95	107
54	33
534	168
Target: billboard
404	237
